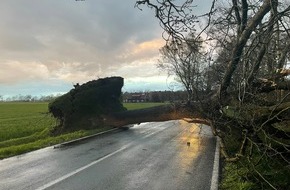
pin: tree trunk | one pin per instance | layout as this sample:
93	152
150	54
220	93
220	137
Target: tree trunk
159	113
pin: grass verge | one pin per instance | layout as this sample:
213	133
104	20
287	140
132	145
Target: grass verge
26	144
134	106
234	177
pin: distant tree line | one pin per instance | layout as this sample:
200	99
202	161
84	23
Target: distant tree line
28	98
155	96
148	96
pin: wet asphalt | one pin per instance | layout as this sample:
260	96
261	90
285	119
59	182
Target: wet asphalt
164	155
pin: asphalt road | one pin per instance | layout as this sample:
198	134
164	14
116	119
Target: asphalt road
146	156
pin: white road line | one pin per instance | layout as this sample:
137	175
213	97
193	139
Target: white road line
79	170
215	171
92	163
150	134
153	133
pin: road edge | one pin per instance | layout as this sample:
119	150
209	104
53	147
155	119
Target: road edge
83	138
215	172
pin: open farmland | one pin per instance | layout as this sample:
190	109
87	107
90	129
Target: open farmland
23	119
134	106
25	126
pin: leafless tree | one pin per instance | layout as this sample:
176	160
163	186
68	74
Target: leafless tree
186	61
251	43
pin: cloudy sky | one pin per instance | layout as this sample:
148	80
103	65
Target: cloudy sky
48	45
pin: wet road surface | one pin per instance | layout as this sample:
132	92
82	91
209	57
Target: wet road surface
163	155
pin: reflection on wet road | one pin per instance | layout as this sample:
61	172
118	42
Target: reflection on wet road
163	155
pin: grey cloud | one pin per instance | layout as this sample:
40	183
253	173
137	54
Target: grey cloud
77	40
71	31
65	41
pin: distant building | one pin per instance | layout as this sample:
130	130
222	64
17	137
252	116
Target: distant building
135	97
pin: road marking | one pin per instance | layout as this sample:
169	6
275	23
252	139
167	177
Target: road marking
154	132
215	171
95	162
79	170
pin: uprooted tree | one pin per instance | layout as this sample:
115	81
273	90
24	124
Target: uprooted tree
245	98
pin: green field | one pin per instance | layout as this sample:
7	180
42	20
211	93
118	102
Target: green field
26	126
134	106
23	119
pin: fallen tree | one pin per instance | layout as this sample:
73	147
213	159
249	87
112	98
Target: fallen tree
257	125
98	103
246	87
246	93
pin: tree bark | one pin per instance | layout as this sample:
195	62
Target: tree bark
159	113
240	44
266	86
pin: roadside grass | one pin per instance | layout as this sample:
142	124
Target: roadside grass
247	173
134	106
25	126
234	177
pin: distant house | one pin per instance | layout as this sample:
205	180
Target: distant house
135	98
